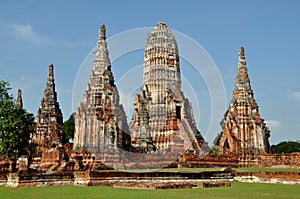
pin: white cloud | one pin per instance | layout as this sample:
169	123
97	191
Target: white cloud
273	124
26	32
295	95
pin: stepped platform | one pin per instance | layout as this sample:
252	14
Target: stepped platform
147	179
128	179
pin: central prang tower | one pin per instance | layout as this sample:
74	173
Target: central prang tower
163	120
161	63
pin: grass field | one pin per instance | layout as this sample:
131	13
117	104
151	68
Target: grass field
269	169
238	190
211	169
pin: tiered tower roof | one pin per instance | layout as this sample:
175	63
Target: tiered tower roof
244	132
100	121
161	59
49	117
163	118
49	105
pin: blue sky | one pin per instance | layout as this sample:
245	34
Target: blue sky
34	34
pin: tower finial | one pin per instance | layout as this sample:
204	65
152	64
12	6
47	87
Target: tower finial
50	70
161	23
102	52
242	54
242	71
242	60
19	101
242	49
102	32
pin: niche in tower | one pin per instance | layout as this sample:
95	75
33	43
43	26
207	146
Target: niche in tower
170	60
178	112
226	144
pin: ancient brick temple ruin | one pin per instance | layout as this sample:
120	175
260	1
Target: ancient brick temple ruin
100	120
244	133
162	131
47	138
162	121
163	118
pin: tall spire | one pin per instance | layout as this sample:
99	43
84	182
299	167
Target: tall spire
100	121
19	101
49	102
49	117
244	132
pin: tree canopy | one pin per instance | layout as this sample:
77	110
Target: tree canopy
286	147
16	124
68	128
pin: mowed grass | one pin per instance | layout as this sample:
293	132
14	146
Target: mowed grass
210	169
268	169
238	190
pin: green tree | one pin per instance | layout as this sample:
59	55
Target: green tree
16	124
214	149
286	147
68	128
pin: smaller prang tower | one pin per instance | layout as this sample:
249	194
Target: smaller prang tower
244	133
19	102
49	118
100	120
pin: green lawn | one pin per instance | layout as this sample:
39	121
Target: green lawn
238	190
212	169
268	169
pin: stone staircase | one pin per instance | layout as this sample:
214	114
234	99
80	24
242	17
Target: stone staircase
187	132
